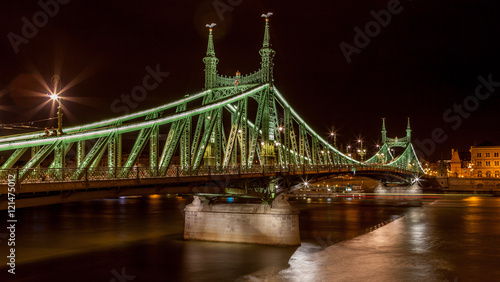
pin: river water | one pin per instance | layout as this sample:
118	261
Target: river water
345	239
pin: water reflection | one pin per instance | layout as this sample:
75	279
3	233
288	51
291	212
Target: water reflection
342	241
474	201
417	231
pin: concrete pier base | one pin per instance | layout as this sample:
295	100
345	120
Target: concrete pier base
380	188
275	224
415	188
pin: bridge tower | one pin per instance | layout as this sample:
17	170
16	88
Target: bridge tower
408	131
267	55
269	118
384	132
210	62
407	160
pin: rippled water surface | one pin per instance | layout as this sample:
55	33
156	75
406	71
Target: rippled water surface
369	239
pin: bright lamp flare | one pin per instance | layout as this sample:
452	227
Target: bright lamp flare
54	96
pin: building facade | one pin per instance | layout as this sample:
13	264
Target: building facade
460	164
485	161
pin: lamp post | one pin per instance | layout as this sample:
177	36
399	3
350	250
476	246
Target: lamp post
361	151
55	96
332	134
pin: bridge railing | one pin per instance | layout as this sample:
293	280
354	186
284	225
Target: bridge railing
48	175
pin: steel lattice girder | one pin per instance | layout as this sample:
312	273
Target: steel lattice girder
139	145
125	128
114	153
408	160
185	144
137	115
205	139
14	157
207	132
171	144
59	156
236	118
91	156
252	148
37	159
220	139
383	155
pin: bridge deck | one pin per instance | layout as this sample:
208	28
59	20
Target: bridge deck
47	180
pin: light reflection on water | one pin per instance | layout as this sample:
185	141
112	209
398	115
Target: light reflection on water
428	244
347	240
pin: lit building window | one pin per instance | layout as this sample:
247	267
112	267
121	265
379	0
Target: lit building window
479	163
497	163
479	174
488	173
487	163
487	155
497	173
495	155
478	155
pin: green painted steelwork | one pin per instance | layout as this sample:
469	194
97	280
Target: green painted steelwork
16	155
37	159
269	139
90	157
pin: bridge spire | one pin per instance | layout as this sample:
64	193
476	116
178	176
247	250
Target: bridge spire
267	54
384	132
408	131
210	60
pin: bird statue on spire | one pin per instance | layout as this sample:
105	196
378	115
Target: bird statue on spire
211	25
266	15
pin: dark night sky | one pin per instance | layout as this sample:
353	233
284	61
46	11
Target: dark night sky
427	59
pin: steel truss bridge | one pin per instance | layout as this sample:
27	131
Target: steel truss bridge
238	132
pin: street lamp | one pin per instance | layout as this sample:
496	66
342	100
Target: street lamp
332	134
361	151
55	97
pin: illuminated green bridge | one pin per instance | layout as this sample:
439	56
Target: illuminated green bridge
239	134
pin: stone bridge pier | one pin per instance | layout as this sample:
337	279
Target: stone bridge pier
274	224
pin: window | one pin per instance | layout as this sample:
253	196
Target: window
487	155
478	155
495	155
488	173
497	173
479	163
487	163
497	163
479	174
